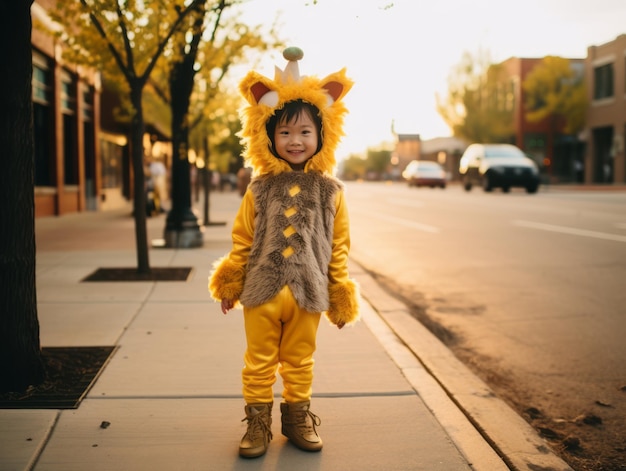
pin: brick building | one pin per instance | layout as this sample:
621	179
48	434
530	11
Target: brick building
66	109
545	141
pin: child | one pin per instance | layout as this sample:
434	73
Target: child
288	262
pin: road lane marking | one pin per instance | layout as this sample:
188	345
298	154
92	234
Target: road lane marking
570	230
407	223
404	202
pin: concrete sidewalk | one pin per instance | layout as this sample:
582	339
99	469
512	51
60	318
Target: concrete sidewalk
172	390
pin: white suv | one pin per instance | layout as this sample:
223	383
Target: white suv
498	165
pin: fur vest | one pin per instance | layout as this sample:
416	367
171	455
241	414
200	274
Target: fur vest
293	238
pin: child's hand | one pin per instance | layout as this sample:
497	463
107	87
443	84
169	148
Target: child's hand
340	324
227	305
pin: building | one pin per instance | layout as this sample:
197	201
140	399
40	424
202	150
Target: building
82	159
555	151
447	151
408	147
605	129
66	109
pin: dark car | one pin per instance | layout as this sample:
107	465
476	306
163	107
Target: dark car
498	166
425	173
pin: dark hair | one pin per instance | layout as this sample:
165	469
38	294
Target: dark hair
289	111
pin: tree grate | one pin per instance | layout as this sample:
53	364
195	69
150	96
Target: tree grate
70	374
131	274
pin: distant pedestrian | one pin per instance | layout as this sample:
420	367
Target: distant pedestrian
158	175
288	261
579	170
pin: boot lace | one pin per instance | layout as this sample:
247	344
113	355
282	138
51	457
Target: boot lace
258	426
306	421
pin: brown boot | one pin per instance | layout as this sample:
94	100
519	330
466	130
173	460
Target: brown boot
298	425
257	438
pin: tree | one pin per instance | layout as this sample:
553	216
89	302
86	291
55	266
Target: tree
555	91
354	167
21	363
214	106
226	147
177	67
127	37
378	161
198	51
479	104
182	229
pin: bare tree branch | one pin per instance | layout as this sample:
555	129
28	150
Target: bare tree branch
116	55
127	46
166	39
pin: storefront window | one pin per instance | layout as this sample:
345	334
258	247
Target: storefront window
42	121
70	138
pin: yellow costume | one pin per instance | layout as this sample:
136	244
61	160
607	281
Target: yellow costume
291	239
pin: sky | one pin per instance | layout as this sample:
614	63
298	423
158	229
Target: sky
400	53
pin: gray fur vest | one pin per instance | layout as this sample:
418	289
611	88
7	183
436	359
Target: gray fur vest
293	238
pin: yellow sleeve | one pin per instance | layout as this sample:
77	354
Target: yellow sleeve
342	290
229	272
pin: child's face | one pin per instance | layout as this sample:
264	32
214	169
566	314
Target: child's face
296	141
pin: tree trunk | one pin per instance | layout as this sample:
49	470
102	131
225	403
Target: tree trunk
139	180
21	363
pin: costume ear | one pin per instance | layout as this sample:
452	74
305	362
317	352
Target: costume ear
334	89
256	89
337	85
259	89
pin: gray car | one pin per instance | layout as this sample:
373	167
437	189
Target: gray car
498	166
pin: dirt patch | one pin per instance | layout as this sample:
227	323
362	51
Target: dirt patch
589	437
70	373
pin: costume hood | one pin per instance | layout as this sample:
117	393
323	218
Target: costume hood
265	96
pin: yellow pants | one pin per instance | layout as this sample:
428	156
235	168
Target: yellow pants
280	336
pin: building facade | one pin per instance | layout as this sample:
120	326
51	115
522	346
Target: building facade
605	129
408	147
66	109
446	151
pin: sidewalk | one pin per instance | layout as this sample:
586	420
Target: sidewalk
172	390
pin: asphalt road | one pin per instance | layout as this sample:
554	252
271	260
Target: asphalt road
529	288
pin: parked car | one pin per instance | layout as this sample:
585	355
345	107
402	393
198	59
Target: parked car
498	165
425	173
